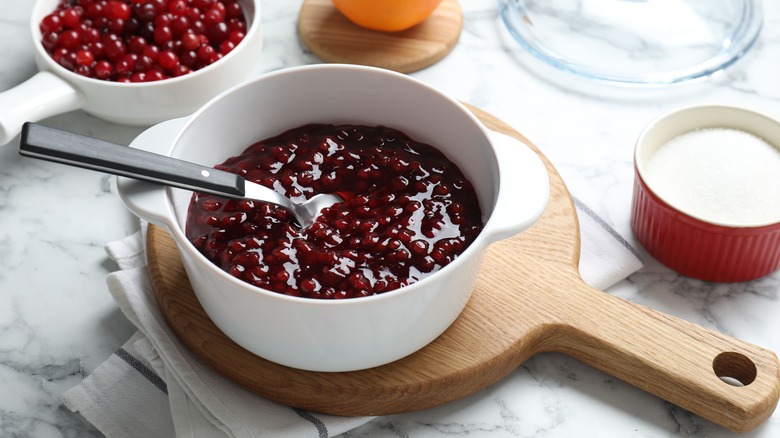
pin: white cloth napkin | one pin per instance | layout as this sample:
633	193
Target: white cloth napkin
154	387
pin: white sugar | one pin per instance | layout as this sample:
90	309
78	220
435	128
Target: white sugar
720	175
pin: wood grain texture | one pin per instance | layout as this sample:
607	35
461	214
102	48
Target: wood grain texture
529	298
333	38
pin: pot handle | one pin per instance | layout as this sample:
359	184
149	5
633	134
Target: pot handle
144	199
524	187
43	95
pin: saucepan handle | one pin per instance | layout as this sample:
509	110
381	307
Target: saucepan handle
144	199
43	95
524	187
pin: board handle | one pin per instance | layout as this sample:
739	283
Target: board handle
728	381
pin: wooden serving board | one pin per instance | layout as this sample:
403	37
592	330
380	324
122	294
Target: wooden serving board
529	298
333	38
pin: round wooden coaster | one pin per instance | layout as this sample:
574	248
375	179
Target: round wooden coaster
333	38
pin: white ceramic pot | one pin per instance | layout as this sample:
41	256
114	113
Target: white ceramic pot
55	90
341	335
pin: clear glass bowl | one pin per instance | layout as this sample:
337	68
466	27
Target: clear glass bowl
635	42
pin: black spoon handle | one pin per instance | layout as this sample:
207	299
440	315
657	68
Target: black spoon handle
65	147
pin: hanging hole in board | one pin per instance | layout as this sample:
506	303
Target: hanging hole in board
735	369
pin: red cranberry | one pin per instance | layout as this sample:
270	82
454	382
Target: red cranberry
68	59
163	20
69	39
196	32
179	26
116	26
168	60
154	75
160	6
213	16
114	50
202	4
226	47
218	32
206	54
51	23
143	63
124	67
236	36
152	52
237	25
139	76
384	236
233	10
94	11
145	12
49	41
136	44
90	35
103	70
189	59
116	9
72	17
193	13
190	41
85	57
163	34
177	7
180	70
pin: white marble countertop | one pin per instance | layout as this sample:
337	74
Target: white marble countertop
58	322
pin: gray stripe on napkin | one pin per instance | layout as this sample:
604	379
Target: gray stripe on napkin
321	428
143	369
585	209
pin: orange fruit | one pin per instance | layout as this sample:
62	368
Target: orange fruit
386	15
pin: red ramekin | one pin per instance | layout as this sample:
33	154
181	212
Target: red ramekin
696	246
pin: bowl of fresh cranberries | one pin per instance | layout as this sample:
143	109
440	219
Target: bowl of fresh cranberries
134	62
425	188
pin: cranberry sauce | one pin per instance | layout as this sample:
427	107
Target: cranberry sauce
141	40
408	211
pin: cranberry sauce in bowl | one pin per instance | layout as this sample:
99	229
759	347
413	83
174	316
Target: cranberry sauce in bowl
141	40
505	176
407	212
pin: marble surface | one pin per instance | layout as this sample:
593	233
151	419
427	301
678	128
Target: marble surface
58	322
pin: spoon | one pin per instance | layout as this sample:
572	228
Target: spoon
38	141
